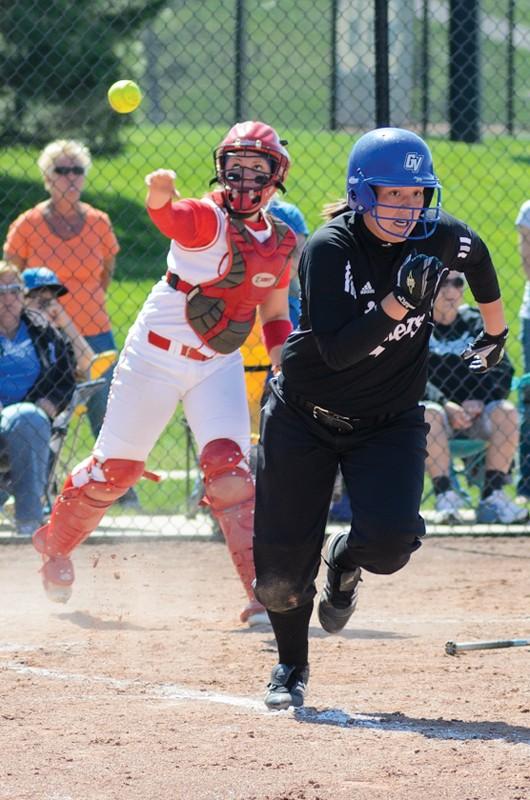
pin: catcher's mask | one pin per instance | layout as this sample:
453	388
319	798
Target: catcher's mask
247	189
393	157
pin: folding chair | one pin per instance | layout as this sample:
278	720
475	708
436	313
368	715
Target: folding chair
467	461
60	462
4	484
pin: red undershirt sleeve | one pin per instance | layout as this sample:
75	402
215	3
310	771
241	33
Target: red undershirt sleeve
191	223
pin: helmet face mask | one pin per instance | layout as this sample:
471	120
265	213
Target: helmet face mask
246	188
393	157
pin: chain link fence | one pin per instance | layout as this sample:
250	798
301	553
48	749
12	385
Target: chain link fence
455	71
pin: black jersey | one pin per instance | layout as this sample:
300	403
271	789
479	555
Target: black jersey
348	355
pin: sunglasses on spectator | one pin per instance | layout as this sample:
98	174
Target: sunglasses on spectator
458	283
10	288
68	170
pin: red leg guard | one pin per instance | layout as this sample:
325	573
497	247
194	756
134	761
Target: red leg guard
229	492
57	578
86	495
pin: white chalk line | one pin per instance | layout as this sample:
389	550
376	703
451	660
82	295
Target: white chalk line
14	647
397	723
165	691
173	692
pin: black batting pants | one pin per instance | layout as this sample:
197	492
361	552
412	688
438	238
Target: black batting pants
298	458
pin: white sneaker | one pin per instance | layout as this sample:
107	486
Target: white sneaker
254	614
499	508
448	506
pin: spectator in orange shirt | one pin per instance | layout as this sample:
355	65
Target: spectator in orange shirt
77	242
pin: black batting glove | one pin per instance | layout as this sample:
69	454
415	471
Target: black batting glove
485	352
417	280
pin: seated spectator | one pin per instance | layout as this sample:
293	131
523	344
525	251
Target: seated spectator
36	382
42	288
523	228
463	404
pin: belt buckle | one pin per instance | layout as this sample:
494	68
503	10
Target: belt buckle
319	409
334	421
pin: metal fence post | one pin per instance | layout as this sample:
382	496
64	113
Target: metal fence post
424	61
240	61
382	91
333	60
510	69
464	75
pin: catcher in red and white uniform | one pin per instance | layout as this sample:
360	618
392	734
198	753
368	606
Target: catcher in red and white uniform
226	259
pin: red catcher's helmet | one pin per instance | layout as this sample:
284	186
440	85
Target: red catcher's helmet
245	190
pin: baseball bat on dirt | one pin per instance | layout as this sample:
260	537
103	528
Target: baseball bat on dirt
452	648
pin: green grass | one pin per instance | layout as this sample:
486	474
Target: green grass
168	496
287	60
493	81
483	184
491	7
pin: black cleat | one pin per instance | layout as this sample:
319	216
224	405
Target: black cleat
338	598
287	687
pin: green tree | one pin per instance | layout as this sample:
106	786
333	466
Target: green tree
57	59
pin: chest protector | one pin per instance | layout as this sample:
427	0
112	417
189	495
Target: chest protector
222	311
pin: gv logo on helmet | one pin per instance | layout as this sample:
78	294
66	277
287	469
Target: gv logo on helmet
413	161
263	279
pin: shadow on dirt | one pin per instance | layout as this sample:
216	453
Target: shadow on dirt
318	633
87	621
430	728
478	551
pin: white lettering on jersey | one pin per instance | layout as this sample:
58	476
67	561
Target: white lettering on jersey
465	247
349	288
408	328
413	161
368	288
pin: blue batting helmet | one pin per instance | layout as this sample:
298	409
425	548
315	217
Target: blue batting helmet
393	157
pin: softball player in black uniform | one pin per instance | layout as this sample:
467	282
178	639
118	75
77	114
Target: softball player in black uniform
353	375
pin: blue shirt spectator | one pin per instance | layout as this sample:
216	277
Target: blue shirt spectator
19	366
36	382
522	223
293	217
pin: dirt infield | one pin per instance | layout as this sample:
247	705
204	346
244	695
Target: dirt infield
146	687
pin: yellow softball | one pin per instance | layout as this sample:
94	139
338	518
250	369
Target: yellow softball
124	96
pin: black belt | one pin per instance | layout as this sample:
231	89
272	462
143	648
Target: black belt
333	421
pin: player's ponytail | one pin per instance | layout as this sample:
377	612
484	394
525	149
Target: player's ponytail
335	209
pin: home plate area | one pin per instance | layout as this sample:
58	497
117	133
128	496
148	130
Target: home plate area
146	685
